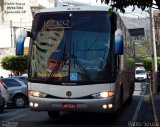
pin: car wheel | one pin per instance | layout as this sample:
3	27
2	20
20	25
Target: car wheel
1	109
53	114
2	106
19	101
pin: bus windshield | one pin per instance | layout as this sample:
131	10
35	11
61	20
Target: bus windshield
71	47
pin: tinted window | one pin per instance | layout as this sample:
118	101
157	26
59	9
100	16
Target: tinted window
71	46
23	79
90	46
11	82
140	72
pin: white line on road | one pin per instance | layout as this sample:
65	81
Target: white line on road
153	108
12	112
135	116
138	108
14	118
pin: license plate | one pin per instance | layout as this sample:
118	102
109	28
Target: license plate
68	105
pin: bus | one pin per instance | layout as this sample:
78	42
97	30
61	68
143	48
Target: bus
81	59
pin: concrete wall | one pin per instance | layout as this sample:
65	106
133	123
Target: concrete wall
5	36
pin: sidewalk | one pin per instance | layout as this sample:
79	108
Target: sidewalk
157	105
156	108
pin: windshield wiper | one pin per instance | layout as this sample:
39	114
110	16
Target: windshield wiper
79	65
60	63
81	68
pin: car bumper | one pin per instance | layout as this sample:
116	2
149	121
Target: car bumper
140	79
82	105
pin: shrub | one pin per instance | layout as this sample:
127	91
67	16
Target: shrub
16	64
148	63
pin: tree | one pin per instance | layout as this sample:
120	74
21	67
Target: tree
141	52
16	64
122	4
148	63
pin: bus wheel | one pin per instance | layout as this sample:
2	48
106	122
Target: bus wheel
129	100
3	105
120	105
53	114
121	97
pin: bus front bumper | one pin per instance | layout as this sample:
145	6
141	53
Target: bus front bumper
73	105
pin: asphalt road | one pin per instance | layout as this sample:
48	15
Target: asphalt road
138	113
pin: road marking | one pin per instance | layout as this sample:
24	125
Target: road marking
12	112
14	118
138	108
135	116
153	107
138	87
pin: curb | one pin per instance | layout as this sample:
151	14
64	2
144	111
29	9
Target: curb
153	108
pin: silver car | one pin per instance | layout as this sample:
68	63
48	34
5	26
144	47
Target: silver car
23	79
18	91
140	75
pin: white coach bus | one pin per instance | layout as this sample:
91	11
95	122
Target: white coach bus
80	59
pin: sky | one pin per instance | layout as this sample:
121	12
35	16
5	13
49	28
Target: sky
85	1
137	13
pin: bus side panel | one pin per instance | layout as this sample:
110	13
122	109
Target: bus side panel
127	61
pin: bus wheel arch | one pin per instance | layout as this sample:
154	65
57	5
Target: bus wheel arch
121	96
129	100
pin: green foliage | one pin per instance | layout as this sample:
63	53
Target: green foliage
148	63
141	49
122	4
141	52
130	63
15	64
158	62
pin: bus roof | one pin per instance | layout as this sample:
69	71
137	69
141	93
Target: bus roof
75	8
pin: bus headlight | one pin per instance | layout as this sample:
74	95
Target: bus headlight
104	94
36	93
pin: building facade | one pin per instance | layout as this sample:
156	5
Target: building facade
157	30
15	16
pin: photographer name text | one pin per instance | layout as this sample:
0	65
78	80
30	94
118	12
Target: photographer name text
14	7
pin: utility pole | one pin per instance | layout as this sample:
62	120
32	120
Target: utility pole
55	3
11	33
154	52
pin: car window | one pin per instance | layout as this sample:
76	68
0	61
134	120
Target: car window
11	82
140	72
23	79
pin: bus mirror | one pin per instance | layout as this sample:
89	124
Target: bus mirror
20	42
119	42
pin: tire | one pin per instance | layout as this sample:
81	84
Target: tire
121	98
20	101
118	111
53	114
129	100
2	107
120	103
